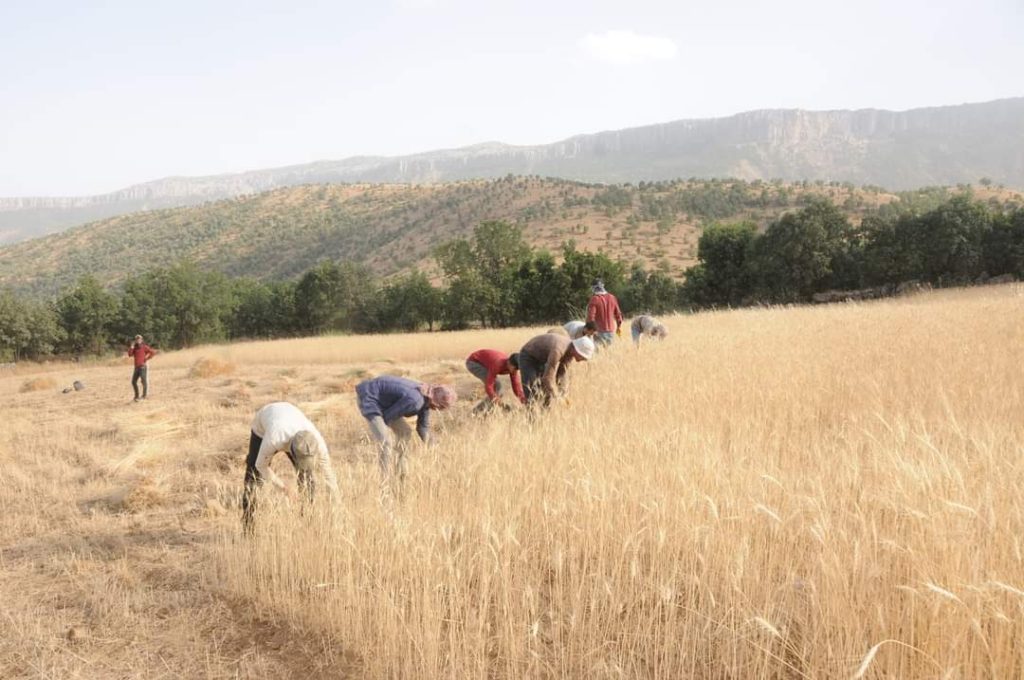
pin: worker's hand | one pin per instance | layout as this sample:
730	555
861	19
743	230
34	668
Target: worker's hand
291	492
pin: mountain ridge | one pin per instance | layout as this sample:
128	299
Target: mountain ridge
937	145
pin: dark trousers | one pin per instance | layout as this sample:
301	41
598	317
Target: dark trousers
479	371
254	480
530	372
141	372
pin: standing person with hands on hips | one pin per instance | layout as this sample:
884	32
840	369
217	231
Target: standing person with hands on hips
141	353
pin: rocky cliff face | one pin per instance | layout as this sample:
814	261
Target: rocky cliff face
897	150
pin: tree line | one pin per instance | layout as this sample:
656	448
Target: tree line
817	249
494	278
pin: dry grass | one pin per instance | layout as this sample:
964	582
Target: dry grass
361	356
778	493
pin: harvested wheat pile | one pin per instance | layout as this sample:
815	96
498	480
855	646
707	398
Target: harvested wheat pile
36	384
143	494
210	368
147	494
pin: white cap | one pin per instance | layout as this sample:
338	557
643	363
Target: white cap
304	447
584	347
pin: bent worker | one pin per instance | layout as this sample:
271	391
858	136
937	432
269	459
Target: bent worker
141	353
603	309
487	365
579	329
648	326
385	402
281	426
543	362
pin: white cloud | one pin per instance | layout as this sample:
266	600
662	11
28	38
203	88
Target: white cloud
627	47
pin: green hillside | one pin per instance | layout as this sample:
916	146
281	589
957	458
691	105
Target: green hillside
393	228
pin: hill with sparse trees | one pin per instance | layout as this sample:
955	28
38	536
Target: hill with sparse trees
757	244
391	229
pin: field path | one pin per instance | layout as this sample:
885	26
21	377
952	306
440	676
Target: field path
109	530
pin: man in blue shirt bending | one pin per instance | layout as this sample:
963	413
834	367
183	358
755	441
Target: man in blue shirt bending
386	402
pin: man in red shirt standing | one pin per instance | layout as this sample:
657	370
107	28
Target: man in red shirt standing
140	352
487	365
604	311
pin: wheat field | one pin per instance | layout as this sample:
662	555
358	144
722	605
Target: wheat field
801	492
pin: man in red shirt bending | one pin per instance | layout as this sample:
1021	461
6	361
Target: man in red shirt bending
140	352
487	365
604	311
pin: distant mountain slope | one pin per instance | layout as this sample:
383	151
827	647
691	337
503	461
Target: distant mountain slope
393	228
945	145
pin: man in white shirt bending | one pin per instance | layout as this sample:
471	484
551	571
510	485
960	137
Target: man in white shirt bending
281	426
580	329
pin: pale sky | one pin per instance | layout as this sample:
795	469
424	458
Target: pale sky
96	96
